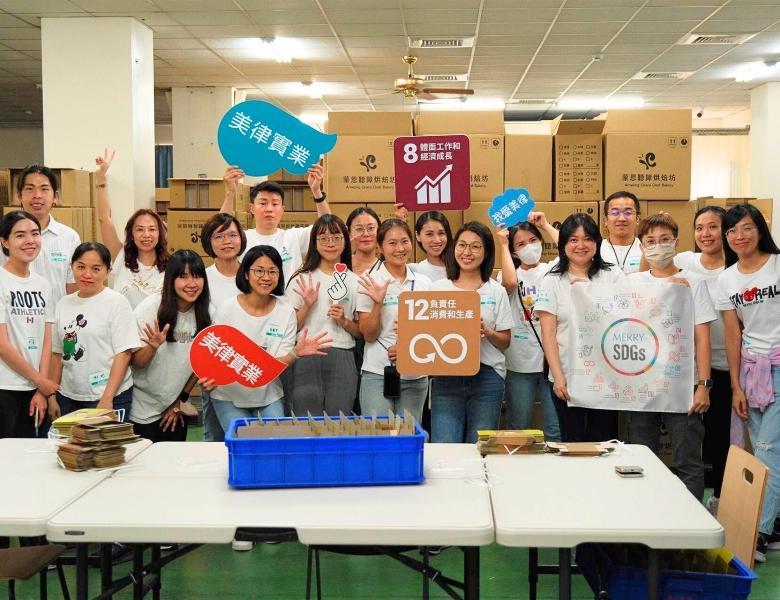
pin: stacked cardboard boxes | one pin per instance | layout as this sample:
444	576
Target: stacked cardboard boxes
528	163
578	161
764	205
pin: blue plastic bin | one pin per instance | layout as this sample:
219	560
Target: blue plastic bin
629	583
323	461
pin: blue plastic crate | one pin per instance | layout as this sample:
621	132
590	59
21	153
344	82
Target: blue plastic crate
629	583
323	461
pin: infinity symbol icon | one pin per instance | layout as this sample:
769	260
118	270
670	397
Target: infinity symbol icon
437	346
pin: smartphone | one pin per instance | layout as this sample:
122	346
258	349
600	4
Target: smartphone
629	471
392	382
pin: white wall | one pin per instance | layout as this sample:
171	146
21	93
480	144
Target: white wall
720	166
21	146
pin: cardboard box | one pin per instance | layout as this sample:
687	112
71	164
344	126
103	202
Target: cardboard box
682	212
6	189
578	161
293	218
184	227
603	219
196	193
162	194
764	205
360	169
75	187
556	214
528	163
487	166
467	122
77	218
282	176
369	123
648	153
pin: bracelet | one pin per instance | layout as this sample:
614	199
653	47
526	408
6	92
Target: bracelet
183	396
321	198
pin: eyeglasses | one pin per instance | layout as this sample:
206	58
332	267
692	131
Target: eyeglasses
230	235
330	239
475	248
744	230
626	212
261	272
649	245
360	230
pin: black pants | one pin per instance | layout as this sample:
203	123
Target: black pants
585	424
154	433
717	428
15	419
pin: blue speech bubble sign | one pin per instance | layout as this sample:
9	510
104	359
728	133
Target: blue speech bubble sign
261	138
511	207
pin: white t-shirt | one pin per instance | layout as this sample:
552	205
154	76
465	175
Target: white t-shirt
432	272
292	244
554	297
221	288
25	308
89	333
691	261
274	333
625	258
375	357
756	298
317	319
703	309
158	384
136	286
495	311
524	354
58	242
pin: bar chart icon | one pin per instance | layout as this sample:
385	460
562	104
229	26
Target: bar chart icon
435	191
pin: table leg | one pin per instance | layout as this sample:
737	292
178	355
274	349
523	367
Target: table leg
533	573
106	567
652	574
82	574
471	573
156	572
137	574
564	573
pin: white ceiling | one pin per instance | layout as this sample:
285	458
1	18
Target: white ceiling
524	49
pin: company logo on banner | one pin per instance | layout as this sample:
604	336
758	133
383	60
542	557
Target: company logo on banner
261	138
631	347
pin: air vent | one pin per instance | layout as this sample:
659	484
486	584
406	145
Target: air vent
444	77
721	39
533	101
644	75
434	43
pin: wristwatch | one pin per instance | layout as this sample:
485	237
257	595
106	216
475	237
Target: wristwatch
708	383
321	198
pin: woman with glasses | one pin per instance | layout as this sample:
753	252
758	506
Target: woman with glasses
323	293
460	406
749	296
621	247
363	224
223	240
578	260
259	314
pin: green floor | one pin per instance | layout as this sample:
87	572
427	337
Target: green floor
279	571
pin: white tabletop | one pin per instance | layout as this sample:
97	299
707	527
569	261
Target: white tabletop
555	501
452	507
35	487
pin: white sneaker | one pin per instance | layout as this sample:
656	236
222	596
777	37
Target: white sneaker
241	546
712	505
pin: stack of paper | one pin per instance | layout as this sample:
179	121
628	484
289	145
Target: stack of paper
75	457
521	441
98	442
64	424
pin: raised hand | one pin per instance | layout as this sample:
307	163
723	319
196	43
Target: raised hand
154	336
307	290
104	163
372	289
231	177
315	176
503	235
314	346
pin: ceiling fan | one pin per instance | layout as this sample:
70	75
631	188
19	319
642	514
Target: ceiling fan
410	86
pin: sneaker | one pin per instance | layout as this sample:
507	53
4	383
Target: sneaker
761	548
242	546
773	540
712	505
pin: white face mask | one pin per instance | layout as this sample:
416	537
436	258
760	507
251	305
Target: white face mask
530	253
660	255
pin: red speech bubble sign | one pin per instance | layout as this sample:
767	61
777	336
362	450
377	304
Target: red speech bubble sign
224	354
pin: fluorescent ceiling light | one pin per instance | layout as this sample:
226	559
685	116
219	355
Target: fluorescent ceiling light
599	103
312	88
461	103
279	49
757	70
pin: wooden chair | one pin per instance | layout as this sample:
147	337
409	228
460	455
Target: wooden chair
22	563
741	497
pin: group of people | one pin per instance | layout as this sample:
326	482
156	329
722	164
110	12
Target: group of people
68	340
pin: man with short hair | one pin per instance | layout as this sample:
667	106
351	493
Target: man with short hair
38	191
266	203
620	247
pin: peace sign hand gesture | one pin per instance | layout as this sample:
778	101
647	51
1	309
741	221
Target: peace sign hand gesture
104	163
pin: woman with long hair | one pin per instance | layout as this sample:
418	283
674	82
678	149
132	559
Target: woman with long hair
94	341
363	224
433	234
167	323
377	310
749	297
460	406
324	300
578	260
139	261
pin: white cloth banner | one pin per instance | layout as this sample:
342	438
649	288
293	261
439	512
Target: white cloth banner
631	347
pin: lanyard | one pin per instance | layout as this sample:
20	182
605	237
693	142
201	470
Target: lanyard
617	258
